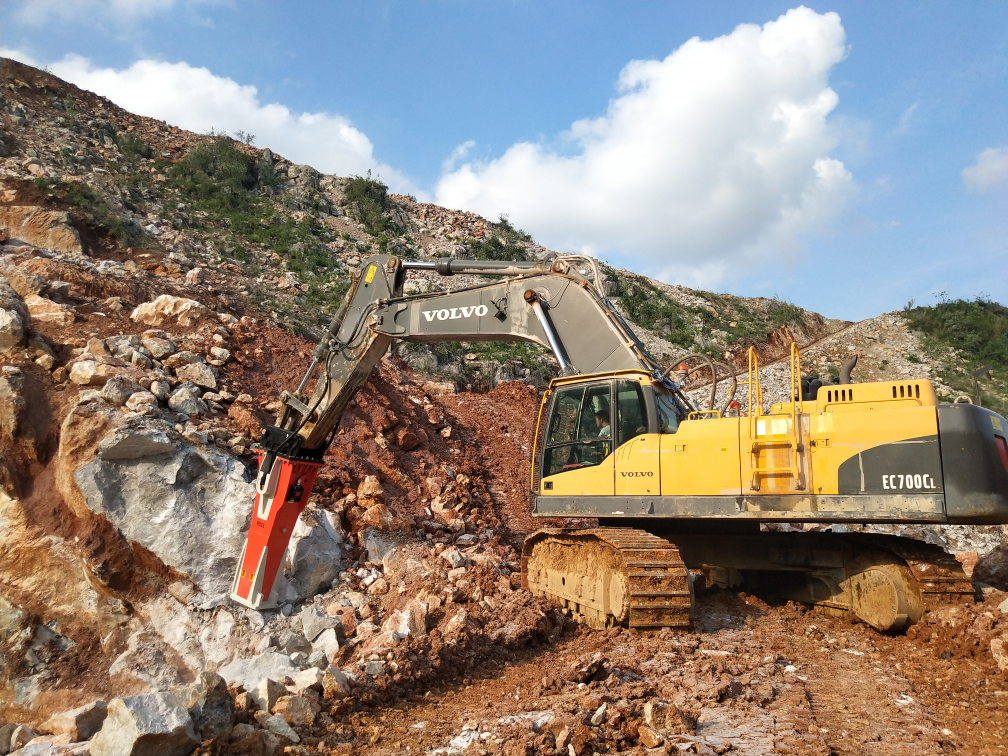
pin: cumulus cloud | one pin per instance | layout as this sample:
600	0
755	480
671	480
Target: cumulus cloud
989	170
719	151
198	100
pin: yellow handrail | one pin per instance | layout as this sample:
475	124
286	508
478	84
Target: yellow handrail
757	393
796	379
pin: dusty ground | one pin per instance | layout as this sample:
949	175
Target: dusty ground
763	679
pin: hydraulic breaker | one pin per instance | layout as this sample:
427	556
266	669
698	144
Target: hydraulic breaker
281	494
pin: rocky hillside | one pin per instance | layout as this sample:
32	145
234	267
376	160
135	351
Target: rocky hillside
158	289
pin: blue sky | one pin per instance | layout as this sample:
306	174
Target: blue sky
687	170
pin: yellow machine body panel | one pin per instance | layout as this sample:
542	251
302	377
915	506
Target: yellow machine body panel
701	459
638	468
839	431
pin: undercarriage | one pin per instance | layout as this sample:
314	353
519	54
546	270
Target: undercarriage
633	577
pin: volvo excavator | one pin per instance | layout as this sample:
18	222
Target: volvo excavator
679	489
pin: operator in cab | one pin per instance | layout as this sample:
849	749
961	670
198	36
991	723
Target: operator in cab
602	422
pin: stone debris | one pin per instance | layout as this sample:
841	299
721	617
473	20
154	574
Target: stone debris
170	310
151	723
77	724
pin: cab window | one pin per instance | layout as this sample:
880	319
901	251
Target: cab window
631	414
668	420
580	426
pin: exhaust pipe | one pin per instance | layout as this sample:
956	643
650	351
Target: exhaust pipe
845	371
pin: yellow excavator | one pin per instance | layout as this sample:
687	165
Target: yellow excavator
679	489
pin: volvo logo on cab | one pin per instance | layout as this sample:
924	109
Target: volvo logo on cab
455	313
647	474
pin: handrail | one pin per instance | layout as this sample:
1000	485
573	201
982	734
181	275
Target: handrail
754	380
796	380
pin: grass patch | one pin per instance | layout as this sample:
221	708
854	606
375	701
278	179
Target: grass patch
961	335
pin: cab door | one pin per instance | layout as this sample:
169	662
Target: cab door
638	467
577	456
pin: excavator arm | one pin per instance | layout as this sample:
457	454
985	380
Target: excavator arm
550	303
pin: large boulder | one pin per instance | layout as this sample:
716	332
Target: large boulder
199	373
313	556
209	704
168	308
14	318
188	505
147	665
78	724
49	229
186	399
92	373
155	723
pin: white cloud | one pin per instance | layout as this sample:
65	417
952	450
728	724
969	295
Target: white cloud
117	12
196	99
459	153
20	56
989	170
706	158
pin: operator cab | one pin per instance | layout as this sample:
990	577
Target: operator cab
583	421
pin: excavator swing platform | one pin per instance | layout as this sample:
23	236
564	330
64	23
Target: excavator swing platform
680	487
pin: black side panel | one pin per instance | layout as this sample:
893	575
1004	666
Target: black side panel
976	480
903	467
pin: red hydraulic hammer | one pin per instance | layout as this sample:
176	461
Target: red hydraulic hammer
283	487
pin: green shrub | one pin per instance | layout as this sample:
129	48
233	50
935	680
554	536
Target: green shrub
961	335
646	304
367	201
133	148
217	176
502	244
977	329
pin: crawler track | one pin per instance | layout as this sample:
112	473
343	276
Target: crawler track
610	576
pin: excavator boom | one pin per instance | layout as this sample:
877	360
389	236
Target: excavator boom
548	303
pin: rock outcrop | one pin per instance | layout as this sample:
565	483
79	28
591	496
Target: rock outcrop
49	229
189	505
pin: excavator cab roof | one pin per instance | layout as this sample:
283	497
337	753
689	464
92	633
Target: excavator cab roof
567	380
